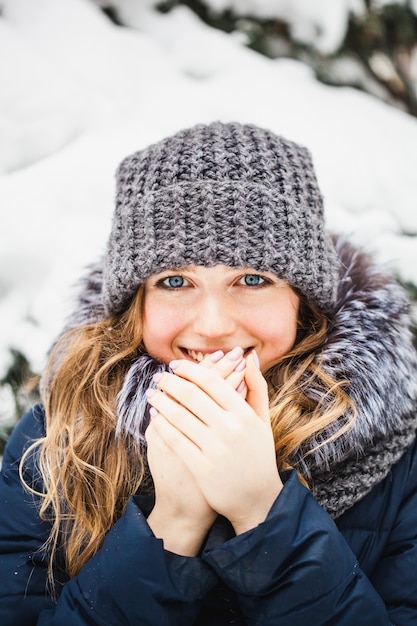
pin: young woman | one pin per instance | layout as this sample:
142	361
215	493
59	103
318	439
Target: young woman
227	434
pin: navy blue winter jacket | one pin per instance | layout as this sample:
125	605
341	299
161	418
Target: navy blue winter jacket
297	568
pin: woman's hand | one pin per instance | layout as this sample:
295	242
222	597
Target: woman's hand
182	516
225	442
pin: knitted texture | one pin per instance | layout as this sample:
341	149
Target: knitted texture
213	194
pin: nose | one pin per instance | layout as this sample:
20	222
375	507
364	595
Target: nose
215	317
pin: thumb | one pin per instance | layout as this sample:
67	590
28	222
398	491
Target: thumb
257	388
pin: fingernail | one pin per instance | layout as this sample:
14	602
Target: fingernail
174	364
241	386
256	359
241	366
153	412
150	392
157	377
216	356
235	353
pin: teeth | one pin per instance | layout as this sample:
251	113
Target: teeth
197	356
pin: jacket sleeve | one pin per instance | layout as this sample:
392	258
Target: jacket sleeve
131	579
395	575
296	568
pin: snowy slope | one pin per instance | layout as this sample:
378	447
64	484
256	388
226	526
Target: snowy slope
79	93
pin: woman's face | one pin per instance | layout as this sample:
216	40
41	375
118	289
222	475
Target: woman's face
196	310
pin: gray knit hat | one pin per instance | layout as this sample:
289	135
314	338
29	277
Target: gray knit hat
221	193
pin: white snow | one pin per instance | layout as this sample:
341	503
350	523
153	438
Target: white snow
321	23
79	93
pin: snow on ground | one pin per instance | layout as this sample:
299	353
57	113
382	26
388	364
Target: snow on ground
79	93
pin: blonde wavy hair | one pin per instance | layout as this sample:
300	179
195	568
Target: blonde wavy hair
89	474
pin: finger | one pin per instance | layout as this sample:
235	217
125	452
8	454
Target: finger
211	359
185	394
242	389
224	364
157	448
184	447
178	416
227	363
257	388
201	390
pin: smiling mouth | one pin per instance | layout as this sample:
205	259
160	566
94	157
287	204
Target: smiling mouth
196	356
199	356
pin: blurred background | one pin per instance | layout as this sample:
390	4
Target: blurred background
86	82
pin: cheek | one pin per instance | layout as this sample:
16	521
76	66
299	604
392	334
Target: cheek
161	324
280	336
278	333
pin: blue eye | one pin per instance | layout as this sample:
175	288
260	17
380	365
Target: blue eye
252	280
174	282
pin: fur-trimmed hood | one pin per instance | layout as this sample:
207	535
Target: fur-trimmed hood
369	344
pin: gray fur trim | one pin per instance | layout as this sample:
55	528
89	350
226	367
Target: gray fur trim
369	343
89	306
132	405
